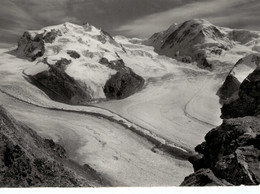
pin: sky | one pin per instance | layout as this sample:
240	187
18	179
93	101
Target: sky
131	18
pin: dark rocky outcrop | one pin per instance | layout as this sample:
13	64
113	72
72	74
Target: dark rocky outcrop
59	86
231	152
27	160
248	102
124	83
33	47
204	64
30	48
73	54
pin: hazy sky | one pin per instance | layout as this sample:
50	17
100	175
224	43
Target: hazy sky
139	18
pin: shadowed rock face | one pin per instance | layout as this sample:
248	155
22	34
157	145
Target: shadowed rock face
231	152
27	160
124	83
248	102
33	47
229	90
30	48
59	86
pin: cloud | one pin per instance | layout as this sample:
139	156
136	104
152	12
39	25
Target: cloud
139	18
233	13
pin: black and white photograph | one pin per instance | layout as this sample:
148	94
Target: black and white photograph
130	94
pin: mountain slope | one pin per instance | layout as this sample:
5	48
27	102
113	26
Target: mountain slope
74	63
231	152
28	160
197	40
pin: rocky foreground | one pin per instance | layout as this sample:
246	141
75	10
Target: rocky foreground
230	154
27	160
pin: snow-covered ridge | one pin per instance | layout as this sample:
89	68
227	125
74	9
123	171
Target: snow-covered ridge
83	47
199	40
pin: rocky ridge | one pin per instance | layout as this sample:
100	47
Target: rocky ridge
27	160
231	152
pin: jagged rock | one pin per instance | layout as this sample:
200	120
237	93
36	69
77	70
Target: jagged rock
32	47
231	151
27	160
29	47
124	83
203	177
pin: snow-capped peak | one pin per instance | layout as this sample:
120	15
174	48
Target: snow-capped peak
81	47
197	40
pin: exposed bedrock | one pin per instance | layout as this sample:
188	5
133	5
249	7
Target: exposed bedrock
124	83
248	101
59	86
32	47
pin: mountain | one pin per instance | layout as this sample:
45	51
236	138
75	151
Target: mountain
231	152
245	66
27	160
200	41
77	64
